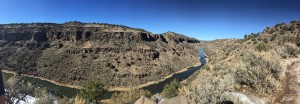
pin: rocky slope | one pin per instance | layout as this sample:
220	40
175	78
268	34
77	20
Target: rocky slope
75	52
252	67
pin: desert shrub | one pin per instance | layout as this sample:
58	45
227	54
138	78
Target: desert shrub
221	69
282	32
209	89
258	74
297	42
92	91
245	36
128	97
17	90
265	40
271	31
293	21
128	64
285	27
291	49
267	30
259	39
273	37
281	51
65	100
251	36
255	41
171	90
110	65
255	34
280	24
206	67
79	100
227	53
44	100
288	50
292	28
288	39
261	47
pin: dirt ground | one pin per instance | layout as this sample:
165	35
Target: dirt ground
292	90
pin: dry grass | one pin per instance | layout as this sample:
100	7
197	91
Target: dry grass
208	88
258	74
238	68
128	97
251	66
79	100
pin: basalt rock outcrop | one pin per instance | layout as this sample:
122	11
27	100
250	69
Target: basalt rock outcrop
75	52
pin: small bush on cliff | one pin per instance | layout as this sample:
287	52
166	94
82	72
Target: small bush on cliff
255	42
171	90
265	40
292	49
92	91
293	21
245	36
288	50
261	47
128	97
279	24
298	40
273	37
282	32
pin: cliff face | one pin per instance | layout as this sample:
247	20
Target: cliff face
75	52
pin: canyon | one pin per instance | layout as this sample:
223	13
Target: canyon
73	53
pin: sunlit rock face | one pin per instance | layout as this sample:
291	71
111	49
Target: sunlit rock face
75	52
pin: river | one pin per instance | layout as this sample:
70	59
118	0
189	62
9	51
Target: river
59	90
154	88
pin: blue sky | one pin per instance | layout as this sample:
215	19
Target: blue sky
201	19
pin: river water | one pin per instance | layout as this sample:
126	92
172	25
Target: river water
59	90
154	88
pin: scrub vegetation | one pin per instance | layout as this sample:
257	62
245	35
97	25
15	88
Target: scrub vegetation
250	66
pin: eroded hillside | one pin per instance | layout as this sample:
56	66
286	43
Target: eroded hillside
74	52
249	70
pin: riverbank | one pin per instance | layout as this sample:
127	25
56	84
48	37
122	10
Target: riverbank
186	80
153	82
44	79
109	89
